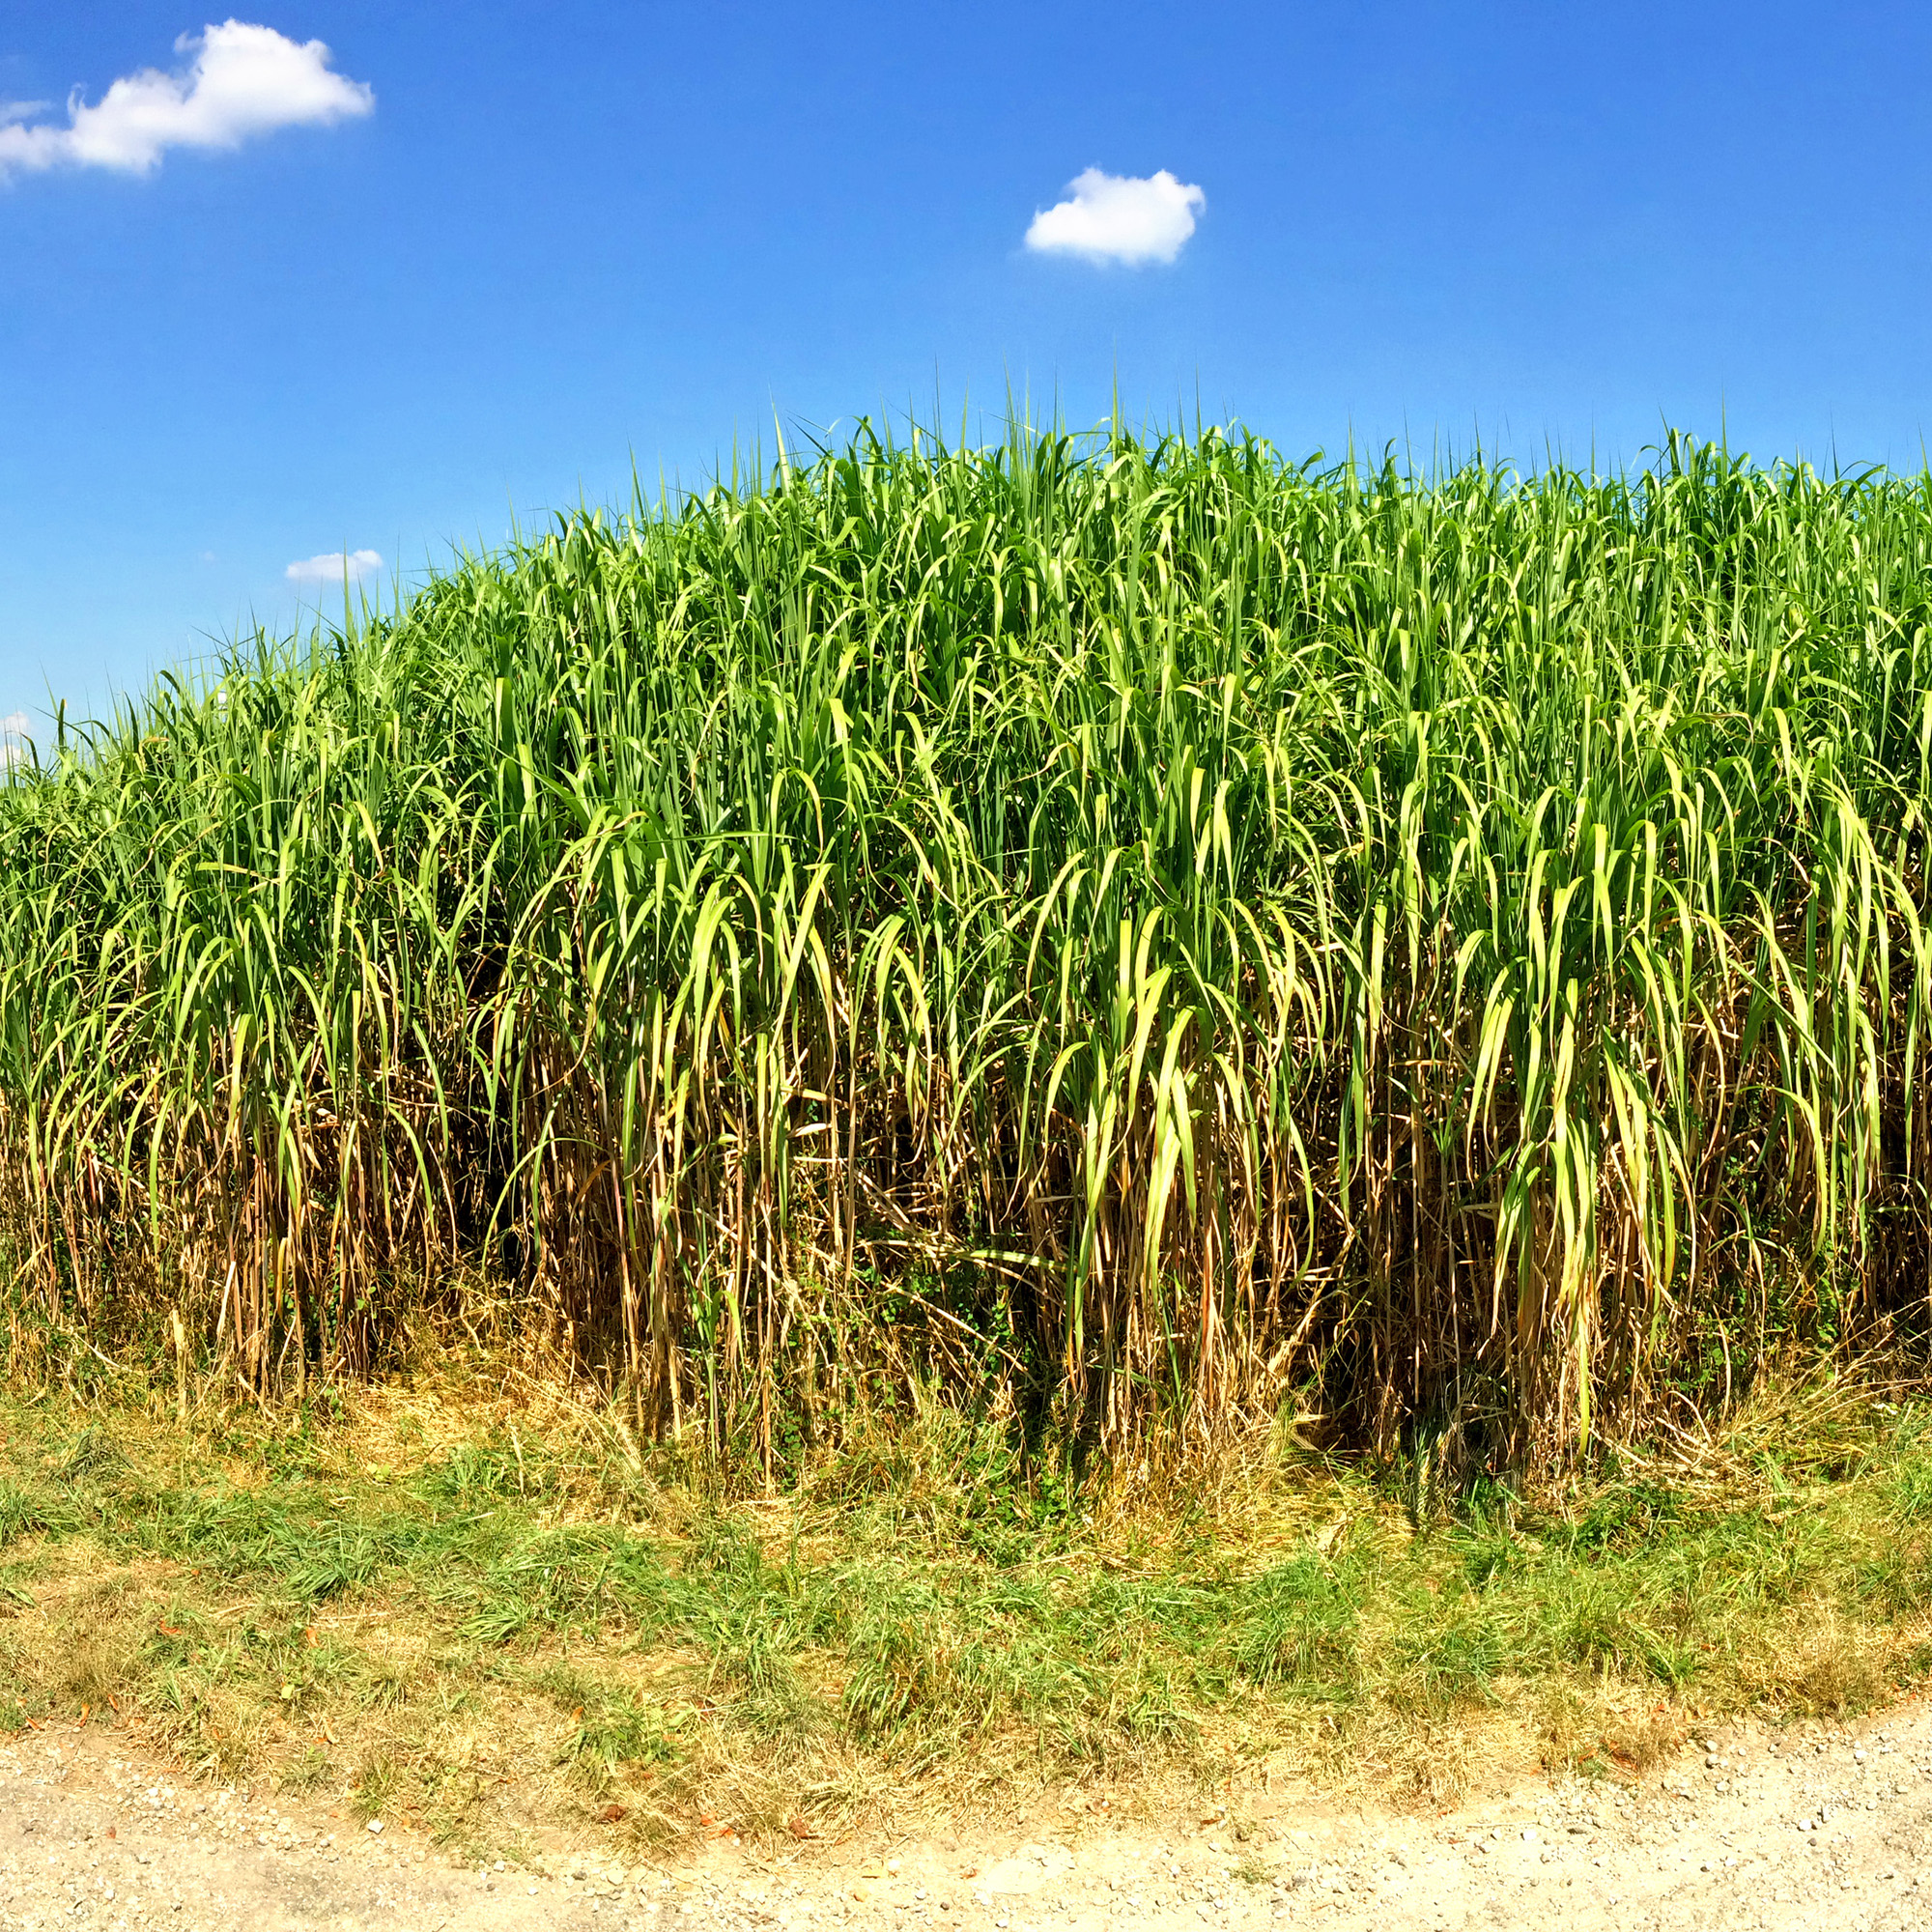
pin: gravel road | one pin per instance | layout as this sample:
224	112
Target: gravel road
1812	1828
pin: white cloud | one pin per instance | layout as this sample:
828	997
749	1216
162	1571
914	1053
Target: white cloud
242	80
13	727
332	566
1119	218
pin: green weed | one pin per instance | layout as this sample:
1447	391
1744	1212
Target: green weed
455	1640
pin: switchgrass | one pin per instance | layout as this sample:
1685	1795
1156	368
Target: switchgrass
1183	932
504	1625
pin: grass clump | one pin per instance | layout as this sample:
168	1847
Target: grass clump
484	1660
1169	928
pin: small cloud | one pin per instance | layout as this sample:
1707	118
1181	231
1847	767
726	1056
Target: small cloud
242	80
332	566
13	728
1119	218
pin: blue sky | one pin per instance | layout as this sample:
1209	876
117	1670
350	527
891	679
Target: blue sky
520	245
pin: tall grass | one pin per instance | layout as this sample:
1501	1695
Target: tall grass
1191	926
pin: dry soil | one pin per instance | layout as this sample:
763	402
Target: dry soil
1758	1826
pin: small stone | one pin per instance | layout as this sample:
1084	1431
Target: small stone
375	1824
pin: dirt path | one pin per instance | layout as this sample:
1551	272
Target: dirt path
1819	1827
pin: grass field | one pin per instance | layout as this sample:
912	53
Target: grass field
1144	938
466	1599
